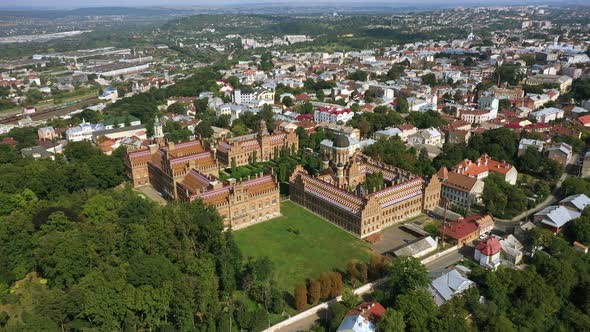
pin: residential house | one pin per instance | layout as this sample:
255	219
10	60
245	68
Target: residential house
555	217
580	247
83	131
487	253
547	115
429	136
461	190
526	143
575	202
332	114
465	230
455	136
37	152
585	120
586	165
561	152
363	318
47	133
386	133
449	285
478	116
512	251
562	81
482	167
121	121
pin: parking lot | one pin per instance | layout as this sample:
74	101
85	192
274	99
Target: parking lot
394	237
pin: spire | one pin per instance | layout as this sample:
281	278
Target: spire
263	129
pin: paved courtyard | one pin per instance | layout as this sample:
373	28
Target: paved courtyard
394	237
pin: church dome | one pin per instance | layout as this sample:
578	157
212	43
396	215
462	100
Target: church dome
341	141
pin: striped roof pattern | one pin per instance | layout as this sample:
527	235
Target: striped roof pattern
139	153
184	159
195	180
333	194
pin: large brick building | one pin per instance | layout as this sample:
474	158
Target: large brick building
241	203
340	196
187	171
261	146
164	166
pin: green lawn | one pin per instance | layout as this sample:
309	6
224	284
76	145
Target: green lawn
319	246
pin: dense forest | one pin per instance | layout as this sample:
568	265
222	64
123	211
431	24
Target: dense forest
81	251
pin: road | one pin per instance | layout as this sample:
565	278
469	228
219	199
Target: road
437	265
548	201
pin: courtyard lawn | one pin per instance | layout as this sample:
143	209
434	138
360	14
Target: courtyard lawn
301	245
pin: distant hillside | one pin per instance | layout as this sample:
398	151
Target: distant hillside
95	11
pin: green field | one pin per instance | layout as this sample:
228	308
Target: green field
319	246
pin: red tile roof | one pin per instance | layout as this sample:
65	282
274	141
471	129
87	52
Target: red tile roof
460	228
584	119
489	246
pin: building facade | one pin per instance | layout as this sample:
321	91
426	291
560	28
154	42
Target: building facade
240	203
339	195
256	147
164	166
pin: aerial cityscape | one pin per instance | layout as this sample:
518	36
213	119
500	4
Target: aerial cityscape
280	167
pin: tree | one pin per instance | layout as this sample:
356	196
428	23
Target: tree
287	101
364	273
315	291
176	108
352	271
204	130
349	298
417	308
508	73
326	285
429	79
407	274
505	104
201	104
402	105
300	297
377	264
575	185
337	284
82	150
392	321
425	120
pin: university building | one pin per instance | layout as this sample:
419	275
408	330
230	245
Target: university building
187	171
339	194
240	203
163	166
260	146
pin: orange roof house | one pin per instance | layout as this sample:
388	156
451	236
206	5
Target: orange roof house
481	168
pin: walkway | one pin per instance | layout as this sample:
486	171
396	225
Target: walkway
548	201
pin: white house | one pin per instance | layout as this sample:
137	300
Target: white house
547	115
429	136
512	250
332	114
487	253
83	131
